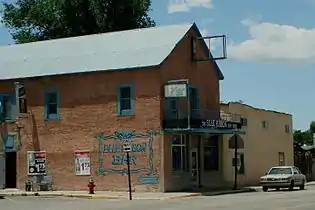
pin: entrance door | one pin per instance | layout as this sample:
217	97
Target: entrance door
10	169
2	171
194	166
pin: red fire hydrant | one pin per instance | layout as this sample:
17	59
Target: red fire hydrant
91	185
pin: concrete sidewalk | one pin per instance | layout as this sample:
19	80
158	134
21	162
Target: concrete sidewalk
119	195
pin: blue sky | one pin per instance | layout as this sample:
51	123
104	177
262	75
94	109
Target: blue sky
271	49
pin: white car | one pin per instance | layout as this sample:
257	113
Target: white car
283	177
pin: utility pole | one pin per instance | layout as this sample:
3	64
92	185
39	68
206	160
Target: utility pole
235	162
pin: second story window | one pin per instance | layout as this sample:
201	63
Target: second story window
22	100
244	121
51	105
264	124
287	128
125	100
6	105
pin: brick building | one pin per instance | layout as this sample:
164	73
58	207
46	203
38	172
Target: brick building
94	93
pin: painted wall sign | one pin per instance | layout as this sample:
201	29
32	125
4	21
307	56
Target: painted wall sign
118	155
220	124
36	163
112	158
82	163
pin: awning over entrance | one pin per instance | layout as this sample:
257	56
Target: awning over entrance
204	130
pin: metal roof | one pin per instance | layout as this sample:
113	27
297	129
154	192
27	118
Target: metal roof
100	52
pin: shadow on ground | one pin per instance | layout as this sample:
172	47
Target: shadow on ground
217	191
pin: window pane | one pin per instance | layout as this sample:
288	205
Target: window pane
52	98
52	108
23	105
9	144
176	140
211	158
184	158
173	104
7	109
125	104
125	92
176	156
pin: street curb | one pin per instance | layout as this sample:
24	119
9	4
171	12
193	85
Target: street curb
247	190
183	196
60	195
30	195
93	196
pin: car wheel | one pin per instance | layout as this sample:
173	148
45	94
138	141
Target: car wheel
291	187
265	189
278	188
302	187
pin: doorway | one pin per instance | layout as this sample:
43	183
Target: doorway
194	166
10	169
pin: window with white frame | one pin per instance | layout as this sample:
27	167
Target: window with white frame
179	153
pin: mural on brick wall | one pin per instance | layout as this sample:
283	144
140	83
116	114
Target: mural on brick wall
112	159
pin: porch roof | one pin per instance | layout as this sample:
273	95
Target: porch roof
204	130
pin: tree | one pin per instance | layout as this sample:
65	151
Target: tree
36	20
303	137
312	127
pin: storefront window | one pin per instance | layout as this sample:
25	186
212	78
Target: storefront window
211	154
179	153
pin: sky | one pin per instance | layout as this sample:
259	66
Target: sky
270	49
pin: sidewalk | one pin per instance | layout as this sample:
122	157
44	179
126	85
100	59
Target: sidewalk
118	195
125	195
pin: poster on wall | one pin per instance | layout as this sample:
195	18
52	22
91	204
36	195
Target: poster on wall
82	163
36	163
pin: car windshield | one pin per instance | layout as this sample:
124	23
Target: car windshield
280	171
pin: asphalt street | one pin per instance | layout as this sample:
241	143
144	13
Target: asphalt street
280	200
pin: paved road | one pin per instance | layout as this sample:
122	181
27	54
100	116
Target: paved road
282	200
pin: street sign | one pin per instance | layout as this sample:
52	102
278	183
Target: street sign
127	147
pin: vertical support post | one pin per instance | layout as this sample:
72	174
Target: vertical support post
188	105
129	175
235	162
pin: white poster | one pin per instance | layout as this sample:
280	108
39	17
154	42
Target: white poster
36	163
82	163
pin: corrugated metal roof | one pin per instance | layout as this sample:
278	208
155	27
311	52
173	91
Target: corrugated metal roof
108	51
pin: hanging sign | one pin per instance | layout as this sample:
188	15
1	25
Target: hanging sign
175	90
36	163
220	124
82	163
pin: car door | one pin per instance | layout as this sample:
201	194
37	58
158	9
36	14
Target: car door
301	175
296	176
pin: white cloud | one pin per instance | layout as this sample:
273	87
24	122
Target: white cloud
187	5
274	43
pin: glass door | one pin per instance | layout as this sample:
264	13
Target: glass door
194	166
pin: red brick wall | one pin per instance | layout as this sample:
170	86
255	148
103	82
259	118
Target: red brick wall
201	75
89	106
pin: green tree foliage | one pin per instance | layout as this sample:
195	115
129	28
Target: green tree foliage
36	20
303	137
312	127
